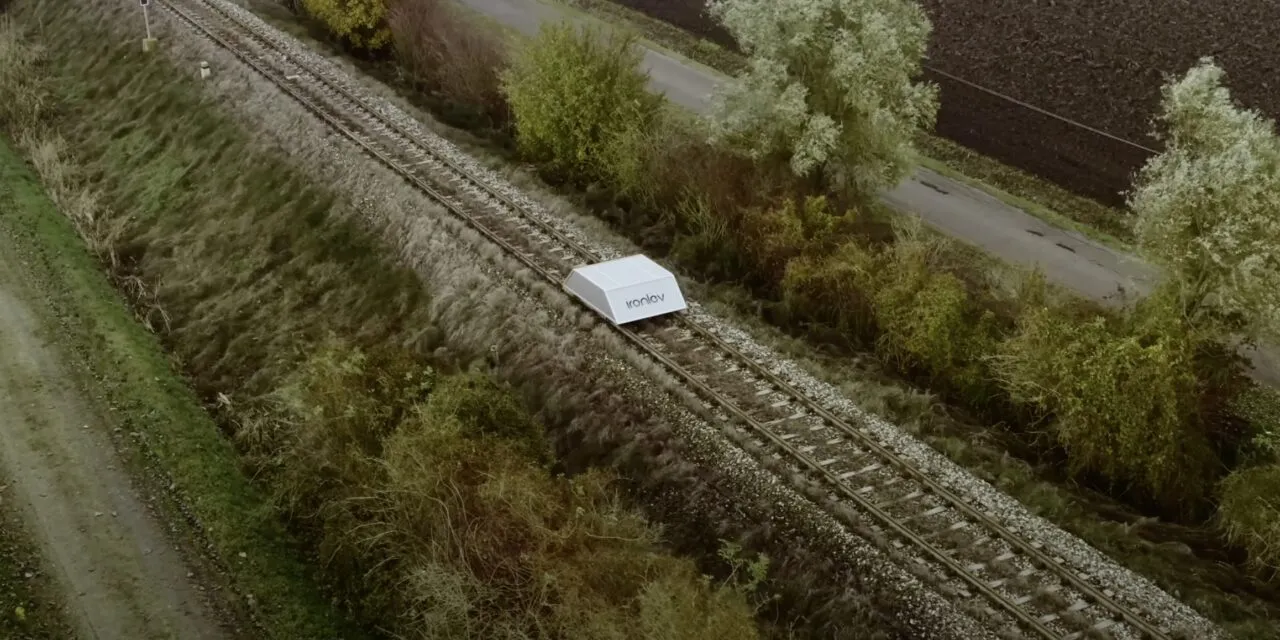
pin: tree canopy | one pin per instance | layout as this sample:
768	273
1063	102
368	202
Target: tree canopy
1208	206
829	86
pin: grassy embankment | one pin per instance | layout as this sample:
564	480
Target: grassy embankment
943	356
141	388
426	492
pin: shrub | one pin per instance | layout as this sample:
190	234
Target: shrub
341	407
1123	392
926	318
1250	514
362	23
685	162
834	290
771	238
829	87
434	491
451	54
1259	406
572	93
485	408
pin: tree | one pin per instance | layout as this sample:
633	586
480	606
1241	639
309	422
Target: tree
1208	207
828	87
572	94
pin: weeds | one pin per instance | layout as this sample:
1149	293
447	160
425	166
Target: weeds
171	437
1250	514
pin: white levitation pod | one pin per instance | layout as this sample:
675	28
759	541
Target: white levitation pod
627	289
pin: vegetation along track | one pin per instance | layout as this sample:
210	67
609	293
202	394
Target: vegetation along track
987	569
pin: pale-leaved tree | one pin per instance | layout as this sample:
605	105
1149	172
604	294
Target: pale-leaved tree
1208	206
829	86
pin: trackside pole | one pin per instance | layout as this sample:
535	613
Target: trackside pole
148	42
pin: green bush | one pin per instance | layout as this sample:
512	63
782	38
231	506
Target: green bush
1250	513
1124	394
485	408
362	23
927	319
573	93
1259	406
434	490
340	408
834	290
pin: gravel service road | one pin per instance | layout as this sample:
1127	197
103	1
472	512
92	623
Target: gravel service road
120	575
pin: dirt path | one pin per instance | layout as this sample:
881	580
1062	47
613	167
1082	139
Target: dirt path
121	577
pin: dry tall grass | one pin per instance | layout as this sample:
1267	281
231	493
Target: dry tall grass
25	96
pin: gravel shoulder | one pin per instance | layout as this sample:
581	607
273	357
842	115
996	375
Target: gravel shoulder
120	575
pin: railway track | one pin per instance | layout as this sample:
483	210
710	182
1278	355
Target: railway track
986	569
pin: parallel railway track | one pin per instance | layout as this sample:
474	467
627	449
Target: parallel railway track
977	562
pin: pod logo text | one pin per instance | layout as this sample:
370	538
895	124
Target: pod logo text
649	299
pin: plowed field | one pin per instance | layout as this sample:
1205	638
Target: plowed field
1097	62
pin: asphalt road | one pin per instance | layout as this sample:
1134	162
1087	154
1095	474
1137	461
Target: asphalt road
962	212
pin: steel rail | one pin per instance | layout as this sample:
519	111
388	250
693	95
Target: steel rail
1041	559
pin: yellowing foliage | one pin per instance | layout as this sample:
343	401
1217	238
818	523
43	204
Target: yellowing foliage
1250	513
434	494
772	238
572	94
926	317
1123	392
834	290
363	23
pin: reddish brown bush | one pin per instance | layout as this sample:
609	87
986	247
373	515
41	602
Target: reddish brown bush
451	56
681	162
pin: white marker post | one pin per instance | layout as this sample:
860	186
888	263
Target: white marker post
148	42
